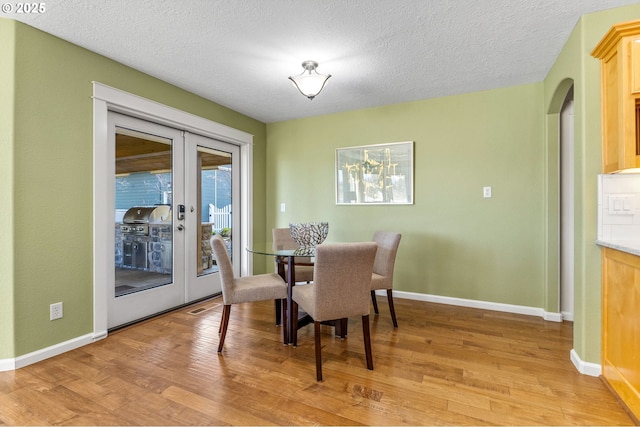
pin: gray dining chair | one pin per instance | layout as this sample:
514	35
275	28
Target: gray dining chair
235	290
282	240
303	268
342	277
382	277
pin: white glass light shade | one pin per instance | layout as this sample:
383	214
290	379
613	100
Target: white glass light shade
310	83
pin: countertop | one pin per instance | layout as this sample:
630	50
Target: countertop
629	246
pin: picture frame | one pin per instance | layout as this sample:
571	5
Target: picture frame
378	174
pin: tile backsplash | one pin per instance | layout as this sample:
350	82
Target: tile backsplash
619	207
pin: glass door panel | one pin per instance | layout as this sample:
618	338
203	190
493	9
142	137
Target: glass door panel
143	232
214	196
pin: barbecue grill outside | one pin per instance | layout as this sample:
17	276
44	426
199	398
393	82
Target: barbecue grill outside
143	239
137	219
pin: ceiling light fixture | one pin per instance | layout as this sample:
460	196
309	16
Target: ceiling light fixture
310	83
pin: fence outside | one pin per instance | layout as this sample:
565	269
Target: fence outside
220	217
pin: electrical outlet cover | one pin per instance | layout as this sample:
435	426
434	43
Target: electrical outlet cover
55	311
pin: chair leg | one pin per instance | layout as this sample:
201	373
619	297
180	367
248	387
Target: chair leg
224	323
221	320
367	341
375	302
318	347
344	325
391	308
294	332
278	305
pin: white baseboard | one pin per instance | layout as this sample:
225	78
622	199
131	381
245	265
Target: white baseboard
485	305
553	317
46	353
7	365
586	368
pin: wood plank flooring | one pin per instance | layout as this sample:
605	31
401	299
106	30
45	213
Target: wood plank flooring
444	365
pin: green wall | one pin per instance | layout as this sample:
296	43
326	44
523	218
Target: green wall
52	190
455	243
7	50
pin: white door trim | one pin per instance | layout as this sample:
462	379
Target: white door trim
106	98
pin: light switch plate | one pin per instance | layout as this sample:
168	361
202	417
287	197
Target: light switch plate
621	204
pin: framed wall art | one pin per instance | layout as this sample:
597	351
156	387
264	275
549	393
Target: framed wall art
380	174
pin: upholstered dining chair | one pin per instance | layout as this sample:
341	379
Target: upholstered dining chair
340	289
260	287
282	240
303	267
382	277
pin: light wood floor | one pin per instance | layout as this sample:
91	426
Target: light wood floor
444	365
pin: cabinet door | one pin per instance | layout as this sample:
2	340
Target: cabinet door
619	53
635	65
621	326
611	141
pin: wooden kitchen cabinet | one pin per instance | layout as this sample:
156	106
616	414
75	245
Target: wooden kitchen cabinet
619	54
621	326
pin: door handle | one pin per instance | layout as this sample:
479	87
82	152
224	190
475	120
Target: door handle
180	227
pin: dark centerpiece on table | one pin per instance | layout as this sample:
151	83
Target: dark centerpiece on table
309	234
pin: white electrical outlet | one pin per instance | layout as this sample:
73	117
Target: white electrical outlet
486	192
55	311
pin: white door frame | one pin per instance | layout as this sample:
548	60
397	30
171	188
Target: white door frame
106	98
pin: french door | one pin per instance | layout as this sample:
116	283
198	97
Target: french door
172	190
211	197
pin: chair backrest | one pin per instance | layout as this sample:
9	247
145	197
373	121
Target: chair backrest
342	279
282	239
388	243
224	264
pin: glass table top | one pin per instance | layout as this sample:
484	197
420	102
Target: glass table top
267	249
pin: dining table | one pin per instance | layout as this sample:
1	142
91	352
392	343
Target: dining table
287	257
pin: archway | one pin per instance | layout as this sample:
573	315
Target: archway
559	256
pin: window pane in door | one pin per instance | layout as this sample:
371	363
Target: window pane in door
143	220
214	196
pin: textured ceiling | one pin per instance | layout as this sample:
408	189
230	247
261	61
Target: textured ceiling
239	53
